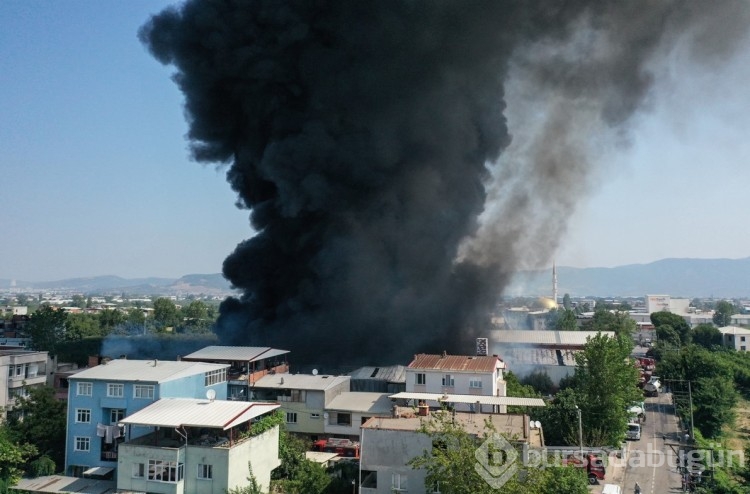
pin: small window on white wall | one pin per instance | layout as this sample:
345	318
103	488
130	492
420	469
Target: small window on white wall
205	472
475	383
399	482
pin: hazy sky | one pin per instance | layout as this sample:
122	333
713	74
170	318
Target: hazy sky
96	177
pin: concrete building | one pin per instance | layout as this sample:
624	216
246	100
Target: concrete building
348	411
456	374
303	399
25	369
390	379
100	397
247	364
735	337
189	446
388	444
658	303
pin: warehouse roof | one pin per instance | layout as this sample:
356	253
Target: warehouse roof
544	337
235	353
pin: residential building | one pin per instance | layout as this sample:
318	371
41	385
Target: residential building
303	398
25	369
388	444
658	303
456	374
390	379
191	446
247	364
735	337
100	397
349	410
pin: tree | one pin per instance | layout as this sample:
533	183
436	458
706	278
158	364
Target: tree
677	322
46	328
540	381
567	321
714	399
723	313
668	335
12	458
607	385
166	314
566	302
706	335
80	326
40	420
196	317
109	319
79	301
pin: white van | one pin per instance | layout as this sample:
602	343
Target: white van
634	432
611	489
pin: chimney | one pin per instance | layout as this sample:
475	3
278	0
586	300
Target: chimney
445	354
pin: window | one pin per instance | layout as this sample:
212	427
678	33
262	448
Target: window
165	471
205	471
143	391
116	415
314	415
448	380
742	348
343	418
139	470
83	389
115	390
215	376
83	415
291	417
19	370
420	379
295	395
399	482
82	444
475	383
742	338
370	479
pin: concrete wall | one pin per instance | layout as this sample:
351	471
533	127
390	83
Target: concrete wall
132	454
387	452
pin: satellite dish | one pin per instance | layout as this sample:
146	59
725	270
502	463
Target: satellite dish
538	424
315	372
211	394
325	415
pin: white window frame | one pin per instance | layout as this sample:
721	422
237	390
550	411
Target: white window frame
475	383
116	415
84	389
399	482
83	415
81	443
420	379
144	391
448	380
205	471
112	390
291	415
139	470
215	376
164	468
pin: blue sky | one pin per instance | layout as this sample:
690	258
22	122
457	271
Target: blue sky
96	177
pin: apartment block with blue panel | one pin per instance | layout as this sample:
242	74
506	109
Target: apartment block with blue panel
100	397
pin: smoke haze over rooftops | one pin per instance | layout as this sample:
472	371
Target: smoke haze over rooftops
368	139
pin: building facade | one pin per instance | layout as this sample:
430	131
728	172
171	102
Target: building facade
100	397
735	337
25	369
456	374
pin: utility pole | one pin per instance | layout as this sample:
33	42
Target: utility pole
580	430
690	398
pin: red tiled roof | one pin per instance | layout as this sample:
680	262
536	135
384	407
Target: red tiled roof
455	362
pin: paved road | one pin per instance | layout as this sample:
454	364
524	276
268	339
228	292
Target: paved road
652	461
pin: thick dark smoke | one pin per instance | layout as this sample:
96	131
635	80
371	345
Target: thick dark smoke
362	136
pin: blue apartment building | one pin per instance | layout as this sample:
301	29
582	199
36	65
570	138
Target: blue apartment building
100	397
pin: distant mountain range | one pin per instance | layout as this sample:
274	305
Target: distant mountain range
689	278
208	284
721	278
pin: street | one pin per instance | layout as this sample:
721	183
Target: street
652	461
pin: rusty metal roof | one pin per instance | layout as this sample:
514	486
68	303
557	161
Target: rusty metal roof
465	363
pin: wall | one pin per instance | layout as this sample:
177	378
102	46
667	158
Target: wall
130	454
387	452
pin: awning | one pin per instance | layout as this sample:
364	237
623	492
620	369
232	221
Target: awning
98	471
472	399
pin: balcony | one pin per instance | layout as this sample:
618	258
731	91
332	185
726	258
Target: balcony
109	456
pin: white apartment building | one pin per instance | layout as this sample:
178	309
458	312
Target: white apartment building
25	369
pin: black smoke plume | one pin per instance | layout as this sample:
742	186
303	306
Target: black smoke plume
366	137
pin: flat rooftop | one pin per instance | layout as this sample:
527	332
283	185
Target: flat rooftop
235	353
179	412
145	370
356	401
310	382
513	426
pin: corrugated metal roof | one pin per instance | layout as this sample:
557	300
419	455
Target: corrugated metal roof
466	363
235	353
544	337
299	381
176	412
145	370
354	401
59	483
391	373
484	400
